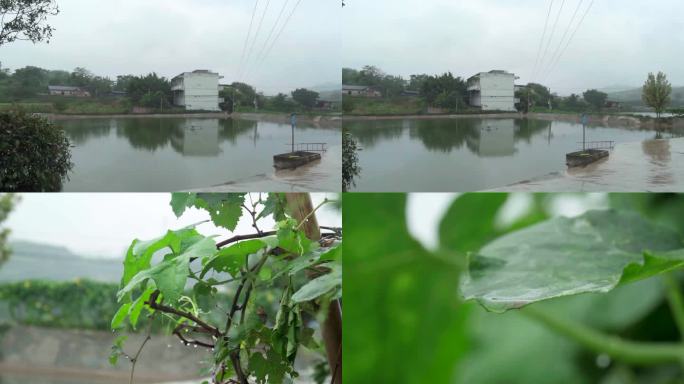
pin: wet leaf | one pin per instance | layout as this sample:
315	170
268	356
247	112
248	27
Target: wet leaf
564	256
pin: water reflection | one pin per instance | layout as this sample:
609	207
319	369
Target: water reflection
163	154
191	137
466	154
482	137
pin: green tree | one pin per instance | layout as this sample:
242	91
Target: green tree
596	99
656	92
7	203
150	86
282	283
444	91
36	155
305	97
26	20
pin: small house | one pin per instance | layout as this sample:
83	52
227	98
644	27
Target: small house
63	90
360	90
492	91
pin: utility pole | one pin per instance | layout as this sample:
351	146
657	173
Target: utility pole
293	122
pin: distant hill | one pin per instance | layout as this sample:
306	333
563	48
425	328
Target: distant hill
633	96
31	260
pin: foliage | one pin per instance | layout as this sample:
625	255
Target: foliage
149	90
401	299
31	82
347	104
350	161
278	280
80	304
305	97
656	92
26	20
629	256
35	154
390	86
444	91
596	99
7	203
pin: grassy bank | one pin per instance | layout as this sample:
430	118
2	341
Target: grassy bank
364	106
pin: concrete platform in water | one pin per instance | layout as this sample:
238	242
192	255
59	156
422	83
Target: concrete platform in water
582	158
294	159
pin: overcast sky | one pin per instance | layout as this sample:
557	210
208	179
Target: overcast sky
618	43
172	36
103	225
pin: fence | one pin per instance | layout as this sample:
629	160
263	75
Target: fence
598	144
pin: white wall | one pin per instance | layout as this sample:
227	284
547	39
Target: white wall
200	92
497	92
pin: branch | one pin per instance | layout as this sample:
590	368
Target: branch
166	309
638	353
237	238
134	359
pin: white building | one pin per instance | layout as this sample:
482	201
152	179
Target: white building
492	91
197	90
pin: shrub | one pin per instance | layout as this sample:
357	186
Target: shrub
34	154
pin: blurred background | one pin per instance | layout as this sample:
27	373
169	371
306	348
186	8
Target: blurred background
60	265
405	312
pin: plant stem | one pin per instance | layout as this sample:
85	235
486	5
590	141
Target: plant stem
674	297
638	353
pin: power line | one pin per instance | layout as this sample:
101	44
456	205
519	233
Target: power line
249	32
562	40
270	34
553	31
553	66
541	42
280	32
256	35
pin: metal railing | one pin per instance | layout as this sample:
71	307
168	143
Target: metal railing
310	147
598	144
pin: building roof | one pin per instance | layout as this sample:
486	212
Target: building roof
355	87
492	72
62	88
197	72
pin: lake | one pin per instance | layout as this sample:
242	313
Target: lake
470	154
171	154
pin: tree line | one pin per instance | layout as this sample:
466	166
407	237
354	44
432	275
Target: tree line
150	90
449	92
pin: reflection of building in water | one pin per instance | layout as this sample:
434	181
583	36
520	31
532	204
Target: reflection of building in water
199	137
496	139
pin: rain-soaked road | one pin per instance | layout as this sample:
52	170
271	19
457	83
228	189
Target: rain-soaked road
647	166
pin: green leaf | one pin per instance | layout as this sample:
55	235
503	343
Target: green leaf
170	276
319	286
401	302
225	209
120	315
269	369
180	201
232	259
274	205
293	240
563	256
139	254
469	222
137	307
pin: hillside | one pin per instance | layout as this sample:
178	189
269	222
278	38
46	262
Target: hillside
31	260
633	96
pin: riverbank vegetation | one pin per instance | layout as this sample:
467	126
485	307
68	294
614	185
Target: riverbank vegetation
27	89
36	155
447	94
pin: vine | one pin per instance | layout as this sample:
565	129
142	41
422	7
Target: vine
280	283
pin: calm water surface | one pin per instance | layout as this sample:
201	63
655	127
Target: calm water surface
170	154
470	154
